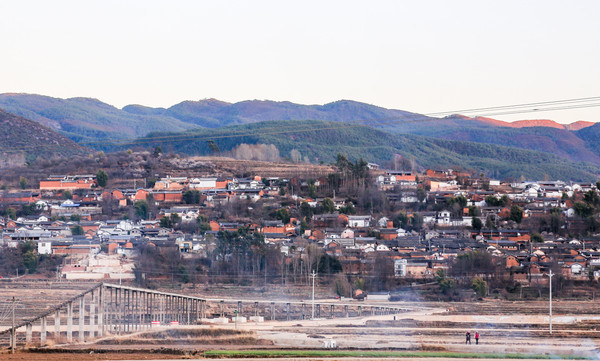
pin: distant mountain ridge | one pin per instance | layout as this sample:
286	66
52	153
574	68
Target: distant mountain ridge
87	120
536	123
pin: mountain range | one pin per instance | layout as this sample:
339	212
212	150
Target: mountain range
98	125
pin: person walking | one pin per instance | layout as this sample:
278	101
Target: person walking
476	338
468	341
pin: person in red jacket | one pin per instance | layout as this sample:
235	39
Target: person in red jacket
476	338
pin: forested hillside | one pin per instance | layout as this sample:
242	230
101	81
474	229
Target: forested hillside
322	141
24	140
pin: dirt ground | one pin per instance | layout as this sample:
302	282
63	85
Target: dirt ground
29	356
123	357
505	327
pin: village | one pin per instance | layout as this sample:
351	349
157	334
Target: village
400	228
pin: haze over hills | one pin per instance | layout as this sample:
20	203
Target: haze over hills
24	140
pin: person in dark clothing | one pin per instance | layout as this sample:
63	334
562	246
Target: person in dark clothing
476	338
468	341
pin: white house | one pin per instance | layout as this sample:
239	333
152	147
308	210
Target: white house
359	221
443	218
203	183
44	247
400	268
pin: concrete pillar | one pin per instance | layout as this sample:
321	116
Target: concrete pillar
57	325
178	312
70	322
135	310
150	311
272	310
140	309
43	331
255	308
346	311
93	315
121	309
170	306
81	318
318	310
167	310
126	308
288	306
174	313
239	308
162	300
332	312
193	310
28	333
100	311
188	310
110	307
148	308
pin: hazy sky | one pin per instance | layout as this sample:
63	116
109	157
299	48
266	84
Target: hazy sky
421	56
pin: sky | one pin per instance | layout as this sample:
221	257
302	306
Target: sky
420	56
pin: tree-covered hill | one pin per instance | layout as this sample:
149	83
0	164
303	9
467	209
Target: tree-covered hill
24	140
322	141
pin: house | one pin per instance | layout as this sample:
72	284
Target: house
171	184
203	183
44	247
67	182
19	197
359	221
400	268
174	196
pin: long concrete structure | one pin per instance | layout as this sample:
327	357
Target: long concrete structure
116	309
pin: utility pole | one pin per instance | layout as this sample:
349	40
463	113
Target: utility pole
13	333
313	275
550	305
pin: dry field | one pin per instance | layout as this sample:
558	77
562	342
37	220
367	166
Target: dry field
505	327
225	165
35	297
